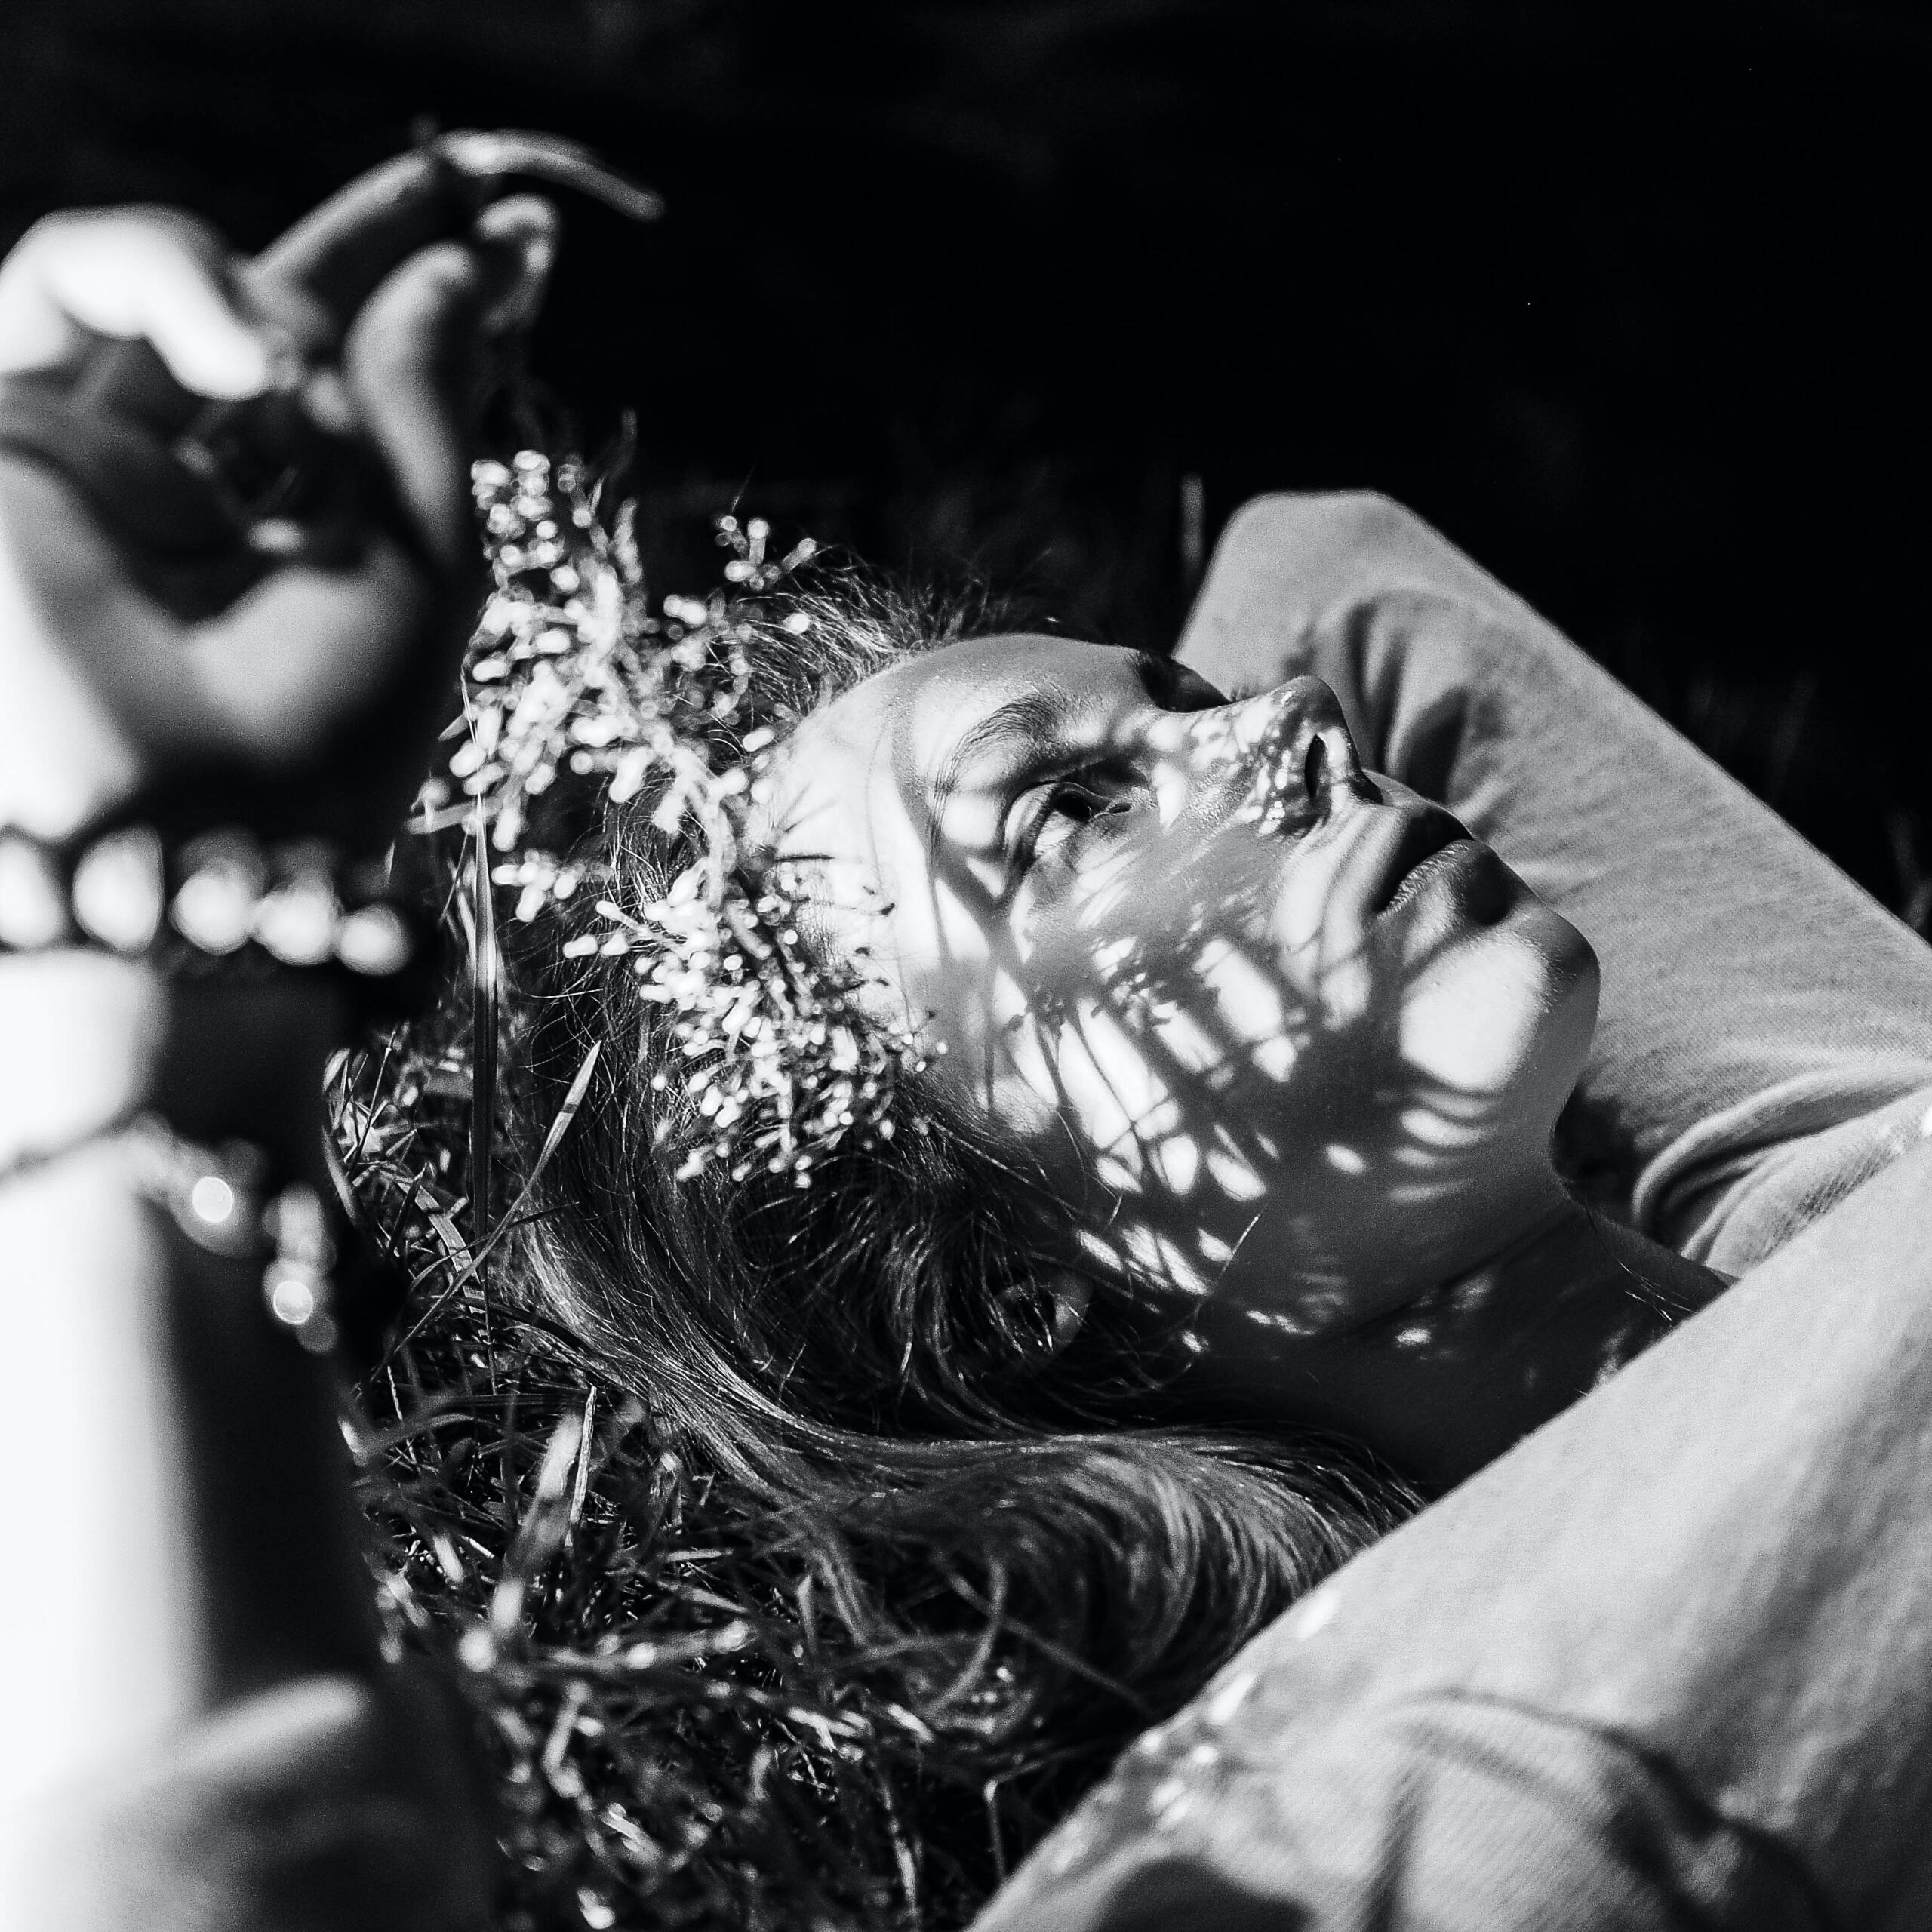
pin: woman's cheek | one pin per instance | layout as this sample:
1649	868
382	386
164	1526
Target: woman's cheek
1504	1017
1470	1031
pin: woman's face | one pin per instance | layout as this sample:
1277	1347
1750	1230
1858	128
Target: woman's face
1279	1027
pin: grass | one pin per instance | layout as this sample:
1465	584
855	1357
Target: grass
676	1738
675	1742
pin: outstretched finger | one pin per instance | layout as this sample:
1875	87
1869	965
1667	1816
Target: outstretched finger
130	275
413	363
339	252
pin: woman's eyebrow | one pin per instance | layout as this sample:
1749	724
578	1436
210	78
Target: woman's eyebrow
1172	688
1159	678
1034	719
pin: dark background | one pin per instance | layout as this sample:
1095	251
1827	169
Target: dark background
1625	299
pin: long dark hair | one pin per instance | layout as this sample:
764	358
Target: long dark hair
1035	1563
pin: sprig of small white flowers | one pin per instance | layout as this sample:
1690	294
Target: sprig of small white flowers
570	672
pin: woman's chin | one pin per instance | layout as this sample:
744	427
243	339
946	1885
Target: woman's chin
1469	897
1504	1012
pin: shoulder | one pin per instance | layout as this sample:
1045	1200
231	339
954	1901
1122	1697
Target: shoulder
1314	550
1326	581
1320	523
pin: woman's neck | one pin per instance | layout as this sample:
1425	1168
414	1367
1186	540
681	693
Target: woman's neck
1449	1382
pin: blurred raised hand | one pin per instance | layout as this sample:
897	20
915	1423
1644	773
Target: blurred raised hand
163	649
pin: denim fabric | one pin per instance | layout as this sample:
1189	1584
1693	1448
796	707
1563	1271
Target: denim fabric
1669	1663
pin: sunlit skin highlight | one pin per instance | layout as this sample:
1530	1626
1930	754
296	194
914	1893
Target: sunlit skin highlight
1291	1042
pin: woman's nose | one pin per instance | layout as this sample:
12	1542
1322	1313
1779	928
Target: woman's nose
1285	756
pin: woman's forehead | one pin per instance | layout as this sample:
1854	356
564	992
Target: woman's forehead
947	689
907	723
860	779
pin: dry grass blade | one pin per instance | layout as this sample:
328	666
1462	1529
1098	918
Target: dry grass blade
485	982
580	1085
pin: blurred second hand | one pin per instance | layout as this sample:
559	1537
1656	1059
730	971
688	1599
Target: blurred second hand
259	458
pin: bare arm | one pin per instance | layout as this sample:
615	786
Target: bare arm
192	1678
198	1488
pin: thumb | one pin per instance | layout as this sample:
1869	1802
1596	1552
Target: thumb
416	353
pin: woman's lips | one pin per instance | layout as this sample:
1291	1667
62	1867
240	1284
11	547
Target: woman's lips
1473	880
1457	852
1426	845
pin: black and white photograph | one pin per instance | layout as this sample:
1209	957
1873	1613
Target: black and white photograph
965	964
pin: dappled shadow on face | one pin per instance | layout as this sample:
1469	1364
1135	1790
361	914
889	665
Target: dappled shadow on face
1276	1028
1241	1100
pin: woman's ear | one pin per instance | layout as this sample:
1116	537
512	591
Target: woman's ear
1071	1294
1048	1311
